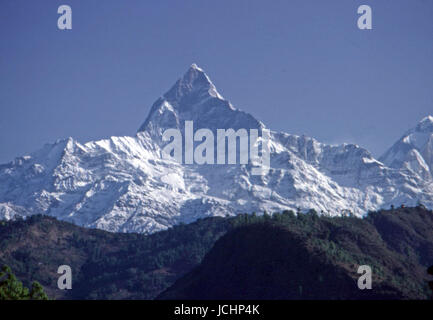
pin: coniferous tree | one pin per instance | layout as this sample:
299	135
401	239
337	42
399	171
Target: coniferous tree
37	292
12	289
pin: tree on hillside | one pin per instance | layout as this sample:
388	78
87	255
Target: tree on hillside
37	292
12	289
430	272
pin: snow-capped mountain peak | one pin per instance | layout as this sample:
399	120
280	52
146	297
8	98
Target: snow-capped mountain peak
414	151
195	98
425	125
124	184
194	80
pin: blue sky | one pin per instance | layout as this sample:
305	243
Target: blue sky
301	66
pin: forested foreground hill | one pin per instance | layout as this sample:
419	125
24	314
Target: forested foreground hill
283	256
104	265
311	257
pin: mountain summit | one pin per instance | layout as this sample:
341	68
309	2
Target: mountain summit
414	151
124	184
425	125
195	98
194	84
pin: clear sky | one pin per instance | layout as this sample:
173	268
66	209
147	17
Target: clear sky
300	66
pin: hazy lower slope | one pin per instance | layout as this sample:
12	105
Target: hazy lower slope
307	257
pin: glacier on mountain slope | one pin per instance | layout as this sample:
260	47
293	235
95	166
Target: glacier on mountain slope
124	184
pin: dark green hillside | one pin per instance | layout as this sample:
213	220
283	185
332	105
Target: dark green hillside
282	256
104	265
307	257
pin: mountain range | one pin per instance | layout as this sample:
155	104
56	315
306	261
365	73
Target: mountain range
124	184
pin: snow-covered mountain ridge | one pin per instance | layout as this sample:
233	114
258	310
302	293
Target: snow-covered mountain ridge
125	184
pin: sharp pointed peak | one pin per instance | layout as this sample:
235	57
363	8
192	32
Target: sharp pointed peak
194	66
194	72
194	81
427	119
194	96
425	125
